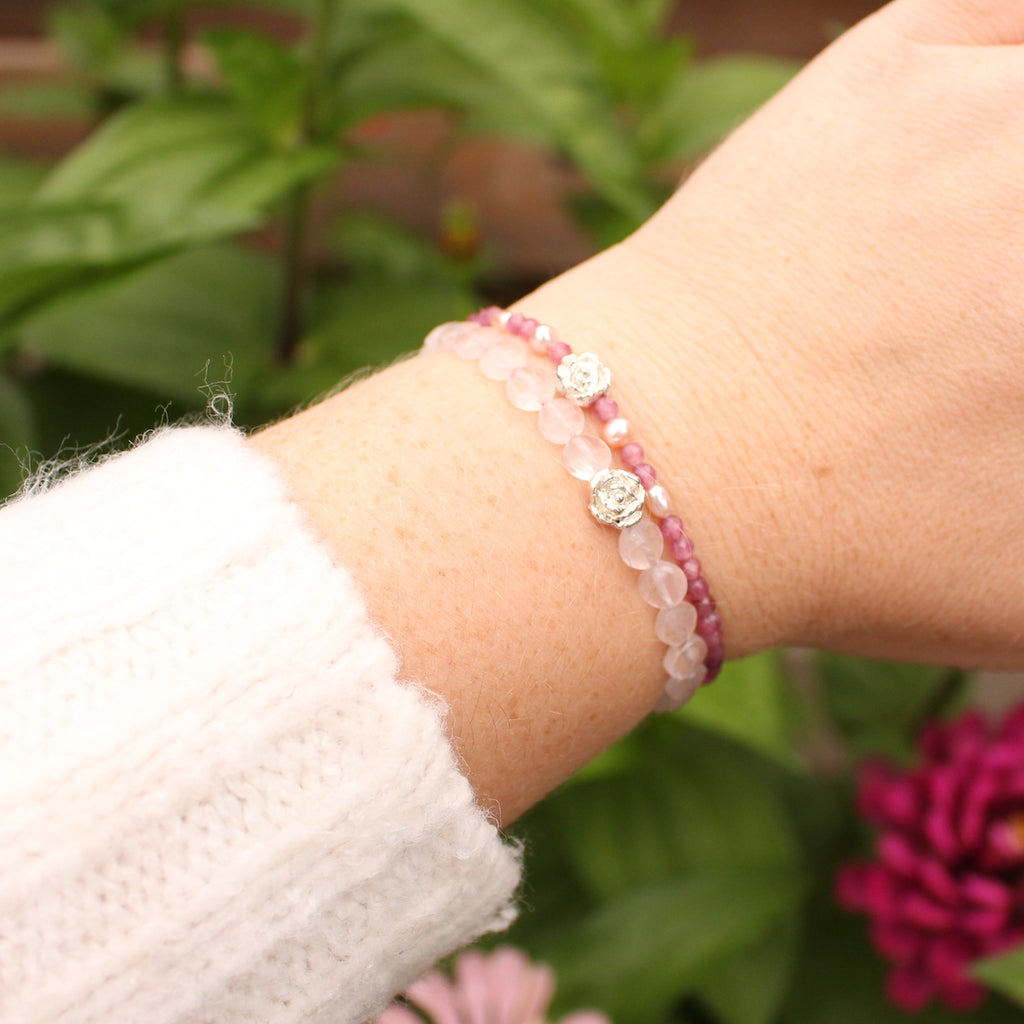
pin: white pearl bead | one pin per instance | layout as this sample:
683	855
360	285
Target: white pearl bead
504	356
663	585
543	337
473	344
585	456
676	625
529	387
658	501
444	337
617	431
559	420
641	544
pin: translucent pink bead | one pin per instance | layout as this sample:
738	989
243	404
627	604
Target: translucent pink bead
682	659
676	625
691	567
679	691
682	549
663	585
672	528
647	475
658	500
557	351
633	454
698	590
585	456
444	337
529	387
559	420
616	432
504	356
475	343
640	545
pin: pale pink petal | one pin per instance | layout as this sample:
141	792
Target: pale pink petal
585	1017
473	988
396	1013
435	995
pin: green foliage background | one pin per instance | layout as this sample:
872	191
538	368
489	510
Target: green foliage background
685	876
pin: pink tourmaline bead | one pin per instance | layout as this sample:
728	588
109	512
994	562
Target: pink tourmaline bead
697	590
640	545
560	420
658	501
498	362
557	351
682	549
585	456
529	387
691	567
648	477
527	327
632	454
514	323
605	408
487	316
617	431
672	528
663	585
676	625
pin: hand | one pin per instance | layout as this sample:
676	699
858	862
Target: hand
845	331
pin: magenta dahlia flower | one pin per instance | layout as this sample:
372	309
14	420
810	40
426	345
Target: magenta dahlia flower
947	884
502	987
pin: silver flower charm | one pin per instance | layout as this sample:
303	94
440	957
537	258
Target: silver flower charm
616	498
583	377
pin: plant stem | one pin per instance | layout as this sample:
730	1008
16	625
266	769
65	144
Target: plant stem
291	324
948	691
173	51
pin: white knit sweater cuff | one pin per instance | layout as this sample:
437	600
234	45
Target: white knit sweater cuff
217	804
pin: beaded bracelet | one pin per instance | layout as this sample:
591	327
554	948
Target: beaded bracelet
687	620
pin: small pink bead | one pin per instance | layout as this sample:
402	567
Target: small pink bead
557	351
697	590
605	408
663	585
672	528
617	431
527	327
632	454
647	475
682	549
514	323
708	621
560	420
658	501
486	317
691	568
498	362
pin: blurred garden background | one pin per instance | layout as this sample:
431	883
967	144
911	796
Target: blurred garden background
205	202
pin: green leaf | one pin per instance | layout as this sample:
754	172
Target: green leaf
158	177
689	802
751	706
708	101
537	60
17	434
1004	973
169	328
880	705
45	101
749	986
266	79
19	180
637	955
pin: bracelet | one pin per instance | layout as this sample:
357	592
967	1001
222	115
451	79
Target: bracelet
687	621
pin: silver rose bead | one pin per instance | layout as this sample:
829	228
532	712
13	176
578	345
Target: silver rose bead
616	498
582	377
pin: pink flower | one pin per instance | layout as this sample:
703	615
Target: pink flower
502	987
947	884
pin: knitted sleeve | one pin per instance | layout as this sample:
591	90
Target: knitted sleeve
217	803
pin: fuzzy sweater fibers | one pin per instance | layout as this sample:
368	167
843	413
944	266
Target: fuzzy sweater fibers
217	803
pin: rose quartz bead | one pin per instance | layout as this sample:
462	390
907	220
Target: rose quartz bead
529	387
658	500
676	625
585	456
444	337
474	344
504	356
663	585
616	432
640	545
681	659
559	420
679	691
